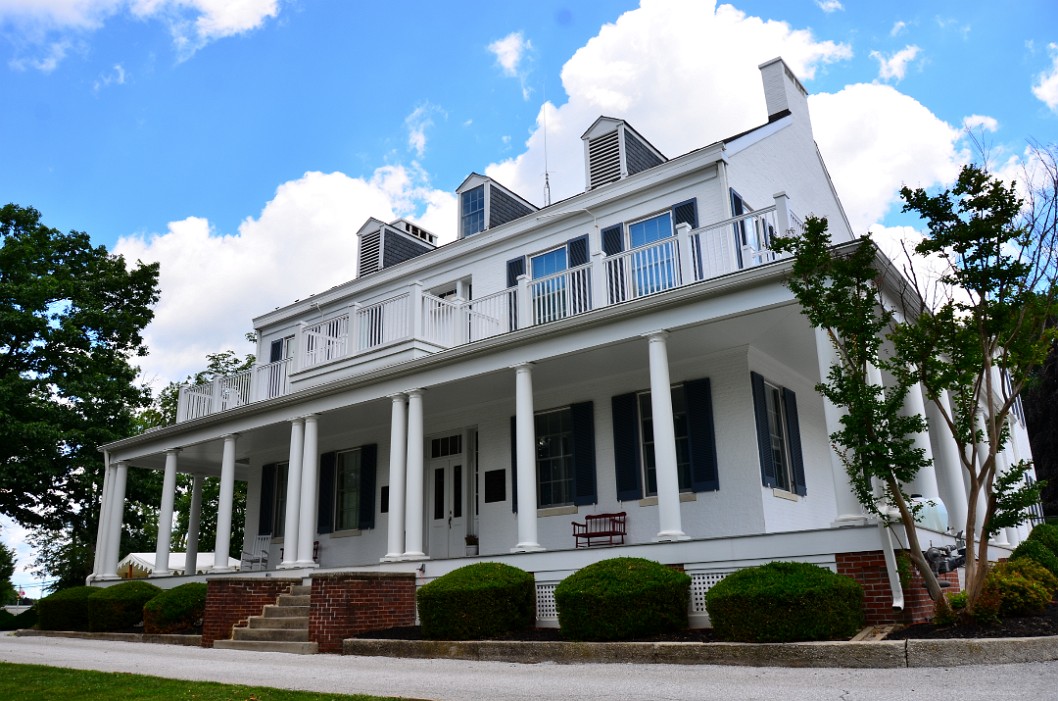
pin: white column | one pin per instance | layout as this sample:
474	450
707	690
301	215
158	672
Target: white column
227	491
292	518
165	517
848	508
116	511
310	464
194	525
671	523
946	462
525	429
415	498
101	527
925	482
398	447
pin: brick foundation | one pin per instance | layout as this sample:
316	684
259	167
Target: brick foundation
346	604
868	568
234	599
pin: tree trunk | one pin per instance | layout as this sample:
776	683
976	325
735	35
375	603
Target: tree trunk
919	560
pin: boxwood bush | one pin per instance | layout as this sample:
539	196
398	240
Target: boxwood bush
1046	533
1018	594
120	606
622	598
1030	569
785	602
482	600
176	610
65	610
1034	549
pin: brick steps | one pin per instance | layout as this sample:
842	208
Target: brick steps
281	627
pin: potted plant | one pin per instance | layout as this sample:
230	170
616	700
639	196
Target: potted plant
472	544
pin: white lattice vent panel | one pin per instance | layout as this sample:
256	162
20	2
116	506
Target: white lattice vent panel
701	582
545	602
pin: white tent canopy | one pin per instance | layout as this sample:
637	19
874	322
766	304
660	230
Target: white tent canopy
142	564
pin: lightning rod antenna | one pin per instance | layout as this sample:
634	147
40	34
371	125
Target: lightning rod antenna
547	179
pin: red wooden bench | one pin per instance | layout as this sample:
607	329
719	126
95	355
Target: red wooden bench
605	529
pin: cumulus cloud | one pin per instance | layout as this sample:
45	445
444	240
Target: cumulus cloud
829	6
980	122
116	76
510	52
302	242
1046	86
894	67
192	23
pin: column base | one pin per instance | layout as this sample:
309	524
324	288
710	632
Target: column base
671	536
307	564
161	573
221	570
528	548
106	577
414	556
288	566
849	520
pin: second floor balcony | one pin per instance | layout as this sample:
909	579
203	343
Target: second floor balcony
432	323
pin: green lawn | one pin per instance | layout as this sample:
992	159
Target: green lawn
19	682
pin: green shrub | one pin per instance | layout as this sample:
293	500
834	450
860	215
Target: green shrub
1036	550
1046	533
986	610
65	610
953	611
7	619
175	610
482	600
1030	569
120	606
25	620
785	602
1018	595
622	598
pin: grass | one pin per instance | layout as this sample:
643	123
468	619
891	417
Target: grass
19	682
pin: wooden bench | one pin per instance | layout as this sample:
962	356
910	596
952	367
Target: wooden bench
605	529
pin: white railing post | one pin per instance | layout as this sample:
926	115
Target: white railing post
598	280
181	404
461	318
355	329
525	307
685	252
296	361
782	213
216	401
415	329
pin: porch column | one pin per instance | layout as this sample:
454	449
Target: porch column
849	510
525	430
671	524
292	518
116	514
227	491
946	463
415	503
194	525
925	482
101	528
398	451
165	516
310	464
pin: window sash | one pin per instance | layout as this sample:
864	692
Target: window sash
472	204
780	445
683	441
347	490
554	458
279	503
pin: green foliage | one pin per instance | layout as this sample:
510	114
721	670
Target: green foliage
175	610
1035	550
1018	595
8	593
478	601
622	598
66	609
785	602
1046	533
1032	570
24	620
952	612
120	606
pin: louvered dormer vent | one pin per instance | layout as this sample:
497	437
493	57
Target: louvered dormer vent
604	157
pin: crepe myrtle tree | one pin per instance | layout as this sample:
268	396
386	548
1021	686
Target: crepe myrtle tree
972	333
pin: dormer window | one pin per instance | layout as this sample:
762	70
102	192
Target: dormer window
472	211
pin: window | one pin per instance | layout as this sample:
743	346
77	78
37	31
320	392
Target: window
654	266
565	456
549	296
633	437
273	511
683	449
347	491
472	210
778	436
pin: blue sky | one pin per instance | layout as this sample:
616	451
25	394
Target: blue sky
243	144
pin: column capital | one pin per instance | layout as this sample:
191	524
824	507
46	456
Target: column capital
417	392
656	335
230	436
173	451
297	419
527	365
399	397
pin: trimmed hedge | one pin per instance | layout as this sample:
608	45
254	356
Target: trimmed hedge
120	606
1046	533
1030	569
482	600
622	598
65	610
1036	550
1018	594
785	602
176	610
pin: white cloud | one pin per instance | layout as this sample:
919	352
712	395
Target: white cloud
303	242
1046	86
980	122
895	66
510	52
49	58
116	76
898	28
420	119
192	23
829	6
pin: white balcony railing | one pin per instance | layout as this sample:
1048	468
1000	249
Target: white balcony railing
688	257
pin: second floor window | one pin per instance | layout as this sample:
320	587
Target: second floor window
472	210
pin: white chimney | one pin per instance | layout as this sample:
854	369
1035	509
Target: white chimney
782	90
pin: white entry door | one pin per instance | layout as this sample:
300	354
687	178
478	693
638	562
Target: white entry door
446	505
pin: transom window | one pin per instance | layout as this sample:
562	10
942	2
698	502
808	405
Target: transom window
683	444
347	490
472	209
554	457
449	445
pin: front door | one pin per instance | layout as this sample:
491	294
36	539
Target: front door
446	504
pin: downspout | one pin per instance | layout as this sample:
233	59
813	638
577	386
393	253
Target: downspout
890	566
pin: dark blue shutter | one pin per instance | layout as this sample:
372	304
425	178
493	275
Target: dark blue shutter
268	495
325	506
583	420
368	462
515	268
626	447
275	353
793	435
613	239
760	411
704	474
514	464
577	251
686	213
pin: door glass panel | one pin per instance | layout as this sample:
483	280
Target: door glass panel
457	491
439	493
